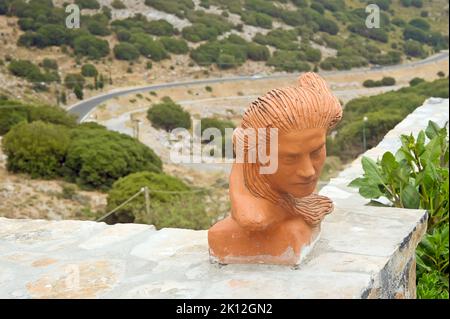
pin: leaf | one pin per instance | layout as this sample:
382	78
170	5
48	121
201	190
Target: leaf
403	171
420	144
406	140
371	170
388	162
432	152
431	175
421	263
410	197
432	130
404	153
419	178
446	157
370	191
358	182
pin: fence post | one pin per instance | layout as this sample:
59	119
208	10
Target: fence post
147	200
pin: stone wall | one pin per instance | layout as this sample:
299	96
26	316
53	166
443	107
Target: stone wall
363	252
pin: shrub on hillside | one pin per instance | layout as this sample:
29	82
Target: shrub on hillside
11	115
25	69
36	148
389	58
139	24
12	112
219	124
159	27
126	51
88	4
177	7
226	61
257	52
257	19
412	3
118	4
31	72
89	70
49	64
420	23
212	122
413	48
279	38
230	52
377	34
289	61
168	115
370	83
412	33
344	62
52	34
385	81
217	22
328	26
123	34
173	45
182	210
317	7
311	54
416	81
97	157
90	46
199	32
73	80
149	47
98	27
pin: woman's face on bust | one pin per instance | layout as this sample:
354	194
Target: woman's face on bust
301	155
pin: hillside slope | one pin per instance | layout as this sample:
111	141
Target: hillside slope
138	42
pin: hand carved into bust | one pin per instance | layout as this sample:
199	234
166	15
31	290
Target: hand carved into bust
275	216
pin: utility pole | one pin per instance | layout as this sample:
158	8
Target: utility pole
57	94
364	133
138	124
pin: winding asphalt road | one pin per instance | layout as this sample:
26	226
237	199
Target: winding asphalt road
83	108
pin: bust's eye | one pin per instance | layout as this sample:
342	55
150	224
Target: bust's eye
290	159
317	152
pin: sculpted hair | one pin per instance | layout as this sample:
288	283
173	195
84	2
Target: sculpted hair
309	104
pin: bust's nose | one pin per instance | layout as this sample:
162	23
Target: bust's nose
305	169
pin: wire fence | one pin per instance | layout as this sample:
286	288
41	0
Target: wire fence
196	209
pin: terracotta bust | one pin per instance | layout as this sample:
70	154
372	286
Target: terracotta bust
275	218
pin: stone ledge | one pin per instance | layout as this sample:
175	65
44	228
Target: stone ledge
42	259
363	252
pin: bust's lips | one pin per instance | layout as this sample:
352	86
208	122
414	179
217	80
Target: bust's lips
306	183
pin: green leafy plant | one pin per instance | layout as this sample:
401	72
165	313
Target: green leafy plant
417	177
432	254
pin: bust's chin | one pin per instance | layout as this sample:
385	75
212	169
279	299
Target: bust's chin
299	191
